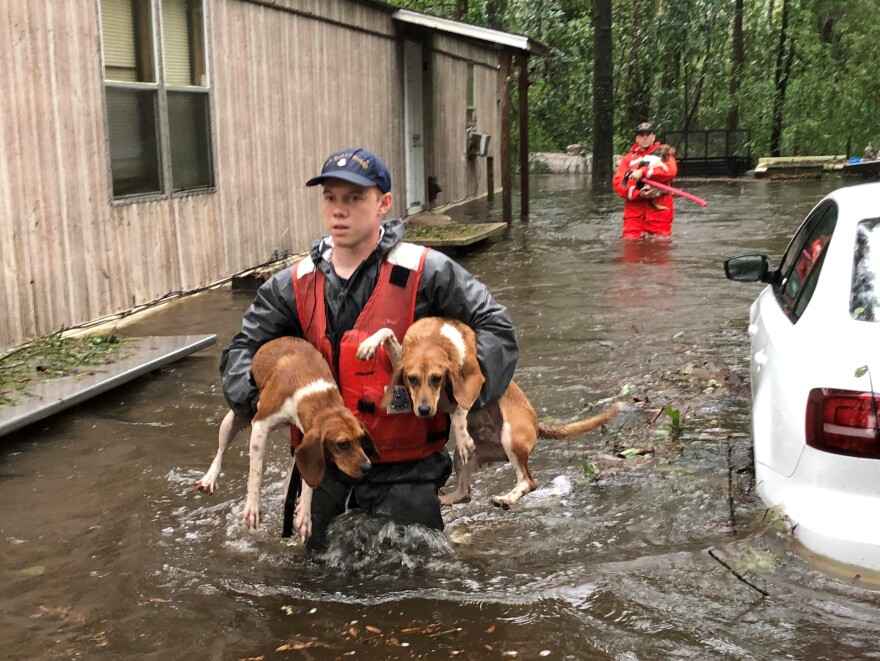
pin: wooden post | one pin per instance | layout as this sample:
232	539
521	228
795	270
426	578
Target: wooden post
504	110
523	63
490	181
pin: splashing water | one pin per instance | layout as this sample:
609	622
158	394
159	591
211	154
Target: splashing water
366	544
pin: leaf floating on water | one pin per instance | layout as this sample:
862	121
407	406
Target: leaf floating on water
300	644
64	613
35	570
373	629
678	335
425	630
287	610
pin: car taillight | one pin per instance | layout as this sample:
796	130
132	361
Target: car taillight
843	422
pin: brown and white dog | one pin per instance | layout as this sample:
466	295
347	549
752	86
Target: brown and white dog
437	353
296	387
656	160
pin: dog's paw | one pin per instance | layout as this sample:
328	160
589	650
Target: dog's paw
454	498
206	485
465	448
368	348
303	525
502	502
251	514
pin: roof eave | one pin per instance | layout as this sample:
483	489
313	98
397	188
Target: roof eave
475	32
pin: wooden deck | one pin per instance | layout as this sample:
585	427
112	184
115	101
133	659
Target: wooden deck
140	355
792	167
453	235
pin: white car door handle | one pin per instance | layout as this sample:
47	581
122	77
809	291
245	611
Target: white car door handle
760	358
753	330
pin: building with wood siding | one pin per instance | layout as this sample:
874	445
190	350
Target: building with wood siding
149	147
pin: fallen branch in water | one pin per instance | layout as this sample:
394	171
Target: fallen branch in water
737	574
730	502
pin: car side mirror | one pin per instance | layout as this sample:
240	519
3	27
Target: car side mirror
750	268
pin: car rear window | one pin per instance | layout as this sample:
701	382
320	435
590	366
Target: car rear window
864	300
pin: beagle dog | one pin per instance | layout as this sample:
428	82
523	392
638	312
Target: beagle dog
440	355
656	160
296	387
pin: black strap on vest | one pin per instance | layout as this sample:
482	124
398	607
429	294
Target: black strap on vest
293	492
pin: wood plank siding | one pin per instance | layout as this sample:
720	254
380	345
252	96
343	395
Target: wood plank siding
459	177
290	80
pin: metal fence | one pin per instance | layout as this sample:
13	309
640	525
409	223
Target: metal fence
714	152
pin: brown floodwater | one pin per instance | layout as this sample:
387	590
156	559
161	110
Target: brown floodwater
108	552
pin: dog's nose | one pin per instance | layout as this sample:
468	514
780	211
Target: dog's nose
424	410
366	466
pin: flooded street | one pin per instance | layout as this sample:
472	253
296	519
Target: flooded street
108	552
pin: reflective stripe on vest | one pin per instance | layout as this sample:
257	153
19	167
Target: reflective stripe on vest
399	435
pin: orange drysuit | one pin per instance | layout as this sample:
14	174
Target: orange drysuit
641	216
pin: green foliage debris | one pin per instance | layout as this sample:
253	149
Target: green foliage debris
50	358
450	231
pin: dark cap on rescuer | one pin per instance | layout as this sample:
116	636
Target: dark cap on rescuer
356	166
645	127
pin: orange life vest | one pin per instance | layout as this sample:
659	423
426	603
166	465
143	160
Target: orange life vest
398	433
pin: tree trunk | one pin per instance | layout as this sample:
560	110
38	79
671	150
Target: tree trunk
495	10
737	61
461	7
784	61
639	102
603	94
691	111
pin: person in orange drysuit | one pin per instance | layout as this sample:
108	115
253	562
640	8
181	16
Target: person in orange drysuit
646	210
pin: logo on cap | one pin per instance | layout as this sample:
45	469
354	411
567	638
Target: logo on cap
356	166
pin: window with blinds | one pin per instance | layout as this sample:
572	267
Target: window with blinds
148	105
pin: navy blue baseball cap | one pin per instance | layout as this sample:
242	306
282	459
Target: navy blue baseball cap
356	166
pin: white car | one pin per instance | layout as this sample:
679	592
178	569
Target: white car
815	376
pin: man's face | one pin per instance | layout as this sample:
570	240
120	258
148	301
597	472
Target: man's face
644	140
353	213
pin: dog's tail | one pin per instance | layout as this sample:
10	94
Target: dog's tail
573	429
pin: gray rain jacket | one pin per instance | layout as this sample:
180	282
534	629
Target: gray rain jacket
445	290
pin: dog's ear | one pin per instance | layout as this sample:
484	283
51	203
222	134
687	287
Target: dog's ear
368	445
465	388
310	459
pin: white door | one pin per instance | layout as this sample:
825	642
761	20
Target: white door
414	125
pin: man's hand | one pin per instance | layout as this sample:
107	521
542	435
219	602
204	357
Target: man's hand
637	174
649	193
